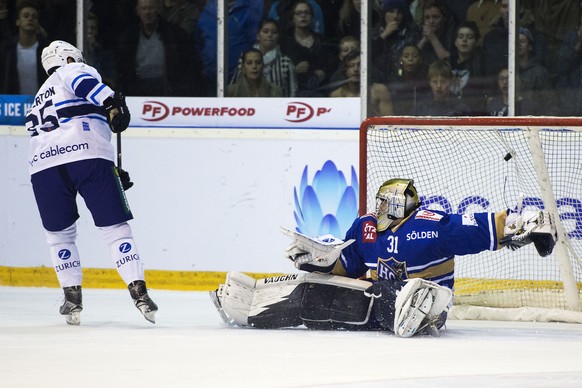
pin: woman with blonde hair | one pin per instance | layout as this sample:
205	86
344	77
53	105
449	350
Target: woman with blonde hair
278	68
252	82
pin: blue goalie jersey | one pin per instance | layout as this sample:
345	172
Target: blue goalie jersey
424	245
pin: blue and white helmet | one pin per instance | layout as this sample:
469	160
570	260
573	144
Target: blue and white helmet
56	54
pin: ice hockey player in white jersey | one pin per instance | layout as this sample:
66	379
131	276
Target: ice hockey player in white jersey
405	253
70	124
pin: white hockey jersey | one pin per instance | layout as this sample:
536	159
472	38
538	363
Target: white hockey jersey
67	121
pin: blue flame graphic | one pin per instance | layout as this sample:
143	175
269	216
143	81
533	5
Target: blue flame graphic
328	205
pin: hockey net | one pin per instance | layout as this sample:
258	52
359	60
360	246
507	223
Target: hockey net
465	165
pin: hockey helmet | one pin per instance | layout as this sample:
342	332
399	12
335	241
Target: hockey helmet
396	199
56	54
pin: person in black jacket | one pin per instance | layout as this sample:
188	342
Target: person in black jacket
160	59
23	74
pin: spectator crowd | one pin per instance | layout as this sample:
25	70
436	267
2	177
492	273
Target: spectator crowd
428	57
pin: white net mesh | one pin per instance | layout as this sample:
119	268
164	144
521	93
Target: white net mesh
482	165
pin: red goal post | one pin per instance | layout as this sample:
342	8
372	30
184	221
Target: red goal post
471	164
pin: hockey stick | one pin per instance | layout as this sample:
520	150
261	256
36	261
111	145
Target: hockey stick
123	175
119	151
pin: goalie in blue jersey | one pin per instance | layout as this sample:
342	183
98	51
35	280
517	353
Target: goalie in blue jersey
394	271
70	124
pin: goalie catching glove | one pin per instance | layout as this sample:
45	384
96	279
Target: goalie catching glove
314	254
531	226
118	115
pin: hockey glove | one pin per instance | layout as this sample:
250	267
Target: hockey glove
118	115
531	226
126	182
317	254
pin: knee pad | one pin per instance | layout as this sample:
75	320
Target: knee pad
116	232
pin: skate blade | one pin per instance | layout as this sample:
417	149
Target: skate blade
73	319
149	315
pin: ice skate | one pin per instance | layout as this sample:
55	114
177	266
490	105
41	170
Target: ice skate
73	305
142	300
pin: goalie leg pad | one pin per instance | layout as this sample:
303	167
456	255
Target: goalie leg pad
420	304
327	306
318	301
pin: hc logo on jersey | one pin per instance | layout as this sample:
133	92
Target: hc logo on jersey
125	247
64	254
392	269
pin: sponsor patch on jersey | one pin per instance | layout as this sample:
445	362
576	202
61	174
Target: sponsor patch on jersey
369	233
469	220
428	215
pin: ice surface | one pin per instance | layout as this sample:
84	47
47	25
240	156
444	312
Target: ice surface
190	346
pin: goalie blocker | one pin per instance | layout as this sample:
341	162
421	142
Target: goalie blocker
327	302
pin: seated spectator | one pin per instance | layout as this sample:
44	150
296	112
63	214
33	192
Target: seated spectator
159	58
395	30
498	105
309	52
182	13
350	68
346	45
278	68
380	99
21	70
535	87
97	55
252	82
438	31
410	86
281	11
466	61
442	103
